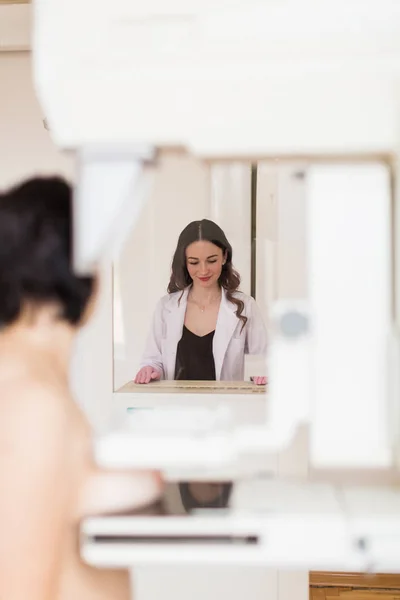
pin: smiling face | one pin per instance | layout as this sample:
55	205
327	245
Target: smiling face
204	262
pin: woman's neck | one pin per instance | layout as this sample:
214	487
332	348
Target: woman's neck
45	333
205	295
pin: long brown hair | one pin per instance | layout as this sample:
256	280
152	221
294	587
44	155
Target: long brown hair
229	279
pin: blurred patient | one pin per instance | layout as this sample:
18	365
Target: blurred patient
48	480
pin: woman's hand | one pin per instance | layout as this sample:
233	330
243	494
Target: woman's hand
260	380
147	374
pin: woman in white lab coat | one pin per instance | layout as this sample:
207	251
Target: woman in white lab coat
204	327
202	330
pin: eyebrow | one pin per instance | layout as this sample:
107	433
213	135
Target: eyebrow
195	257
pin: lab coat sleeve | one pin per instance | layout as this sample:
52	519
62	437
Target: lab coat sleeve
152	355
256	338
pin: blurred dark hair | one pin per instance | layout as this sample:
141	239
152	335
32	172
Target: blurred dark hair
229	279
36	251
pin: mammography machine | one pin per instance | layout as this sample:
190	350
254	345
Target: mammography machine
312	79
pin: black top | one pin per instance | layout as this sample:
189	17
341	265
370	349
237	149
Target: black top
195	362
194	357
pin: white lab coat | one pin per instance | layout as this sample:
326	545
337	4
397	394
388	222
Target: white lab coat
230	342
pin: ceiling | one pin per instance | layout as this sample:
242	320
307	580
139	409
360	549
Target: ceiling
15	1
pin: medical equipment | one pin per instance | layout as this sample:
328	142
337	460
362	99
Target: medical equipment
317	79
271	524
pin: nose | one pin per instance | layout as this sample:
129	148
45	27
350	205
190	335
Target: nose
203	269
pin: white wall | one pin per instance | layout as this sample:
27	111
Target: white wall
26	147
230	195
281	233
15	27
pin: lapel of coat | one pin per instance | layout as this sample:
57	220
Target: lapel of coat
226	324
175	318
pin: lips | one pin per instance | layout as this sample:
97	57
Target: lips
204	279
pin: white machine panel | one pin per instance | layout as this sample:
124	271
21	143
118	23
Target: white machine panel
350	280
220	78
271	524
